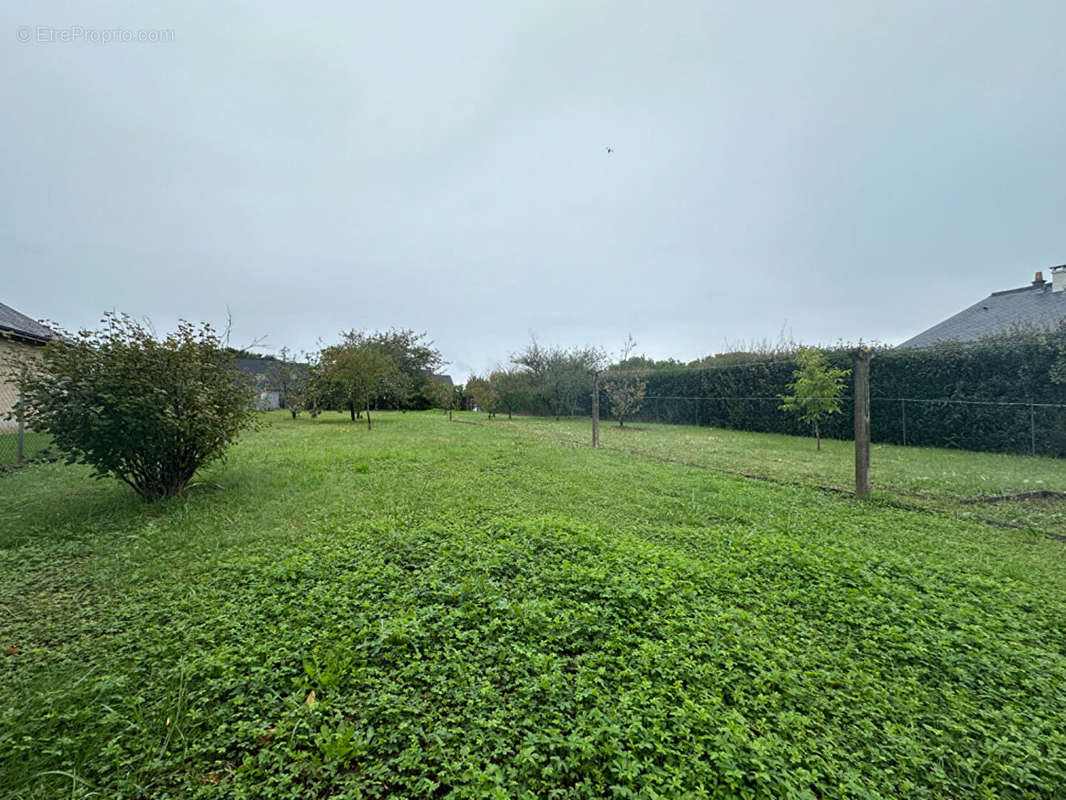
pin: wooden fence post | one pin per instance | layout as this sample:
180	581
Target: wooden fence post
1032	429
596	410
21	442
862	423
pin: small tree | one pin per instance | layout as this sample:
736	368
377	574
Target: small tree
816	389
625	389
415	359
562	378
484	394
444	396
147	412
512	388
290	379
352	374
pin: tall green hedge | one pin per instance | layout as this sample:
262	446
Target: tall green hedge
908	391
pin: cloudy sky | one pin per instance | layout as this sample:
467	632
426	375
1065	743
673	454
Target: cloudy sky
834	170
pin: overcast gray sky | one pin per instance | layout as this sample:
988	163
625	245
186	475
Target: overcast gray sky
839	170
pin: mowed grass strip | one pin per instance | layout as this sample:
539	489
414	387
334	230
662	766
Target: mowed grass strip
434	609
938	479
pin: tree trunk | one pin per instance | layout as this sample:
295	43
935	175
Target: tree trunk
508	416
351	409
293	412
817	437
368	415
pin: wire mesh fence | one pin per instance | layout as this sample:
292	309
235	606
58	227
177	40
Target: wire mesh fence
17	442
1010	491
1020	427
987	399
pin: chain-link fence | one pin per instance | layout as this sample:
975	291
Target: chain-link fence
17	443
1022	427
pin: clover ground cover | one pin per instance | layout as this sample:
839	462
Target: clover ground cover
449	610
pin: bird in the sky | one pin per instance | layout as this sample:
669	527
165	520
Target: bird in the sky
610	150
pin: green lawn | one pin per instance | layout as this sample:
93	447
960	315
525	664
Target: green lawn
938	479
437	609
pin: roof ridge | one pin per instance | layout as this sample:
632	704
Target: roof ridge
1029	288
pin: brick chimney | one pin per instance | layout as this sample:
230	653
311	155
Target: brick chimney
1038	280
1058	278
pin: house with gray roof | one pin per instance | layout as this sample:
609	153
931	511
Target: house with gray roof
14	325
1039	306
20	337
261	371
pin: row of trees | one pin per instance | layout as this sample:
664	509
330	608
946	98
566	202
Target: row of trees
558	382
391	369
395	370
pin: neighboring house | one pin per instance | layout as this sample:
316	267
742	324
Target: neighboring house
438	387
19	336
1040	305
260	372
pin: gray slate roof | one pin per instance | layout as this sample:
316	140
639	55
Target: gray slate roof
12	322
1031	307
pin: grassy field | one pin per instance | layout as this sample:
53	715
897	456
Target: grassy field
437	609
958	482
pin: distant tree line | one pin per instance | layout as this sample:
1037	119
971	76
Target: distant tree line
999	394
363	372
558	382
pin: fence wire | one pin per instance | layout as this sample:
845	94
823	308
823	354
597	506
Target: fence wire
17	443
1022	427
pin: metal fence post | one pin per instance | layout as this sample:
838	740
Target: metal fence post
1032	428
903	414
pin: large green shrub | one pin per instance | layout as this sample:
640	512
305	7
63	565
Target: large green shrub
149	412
